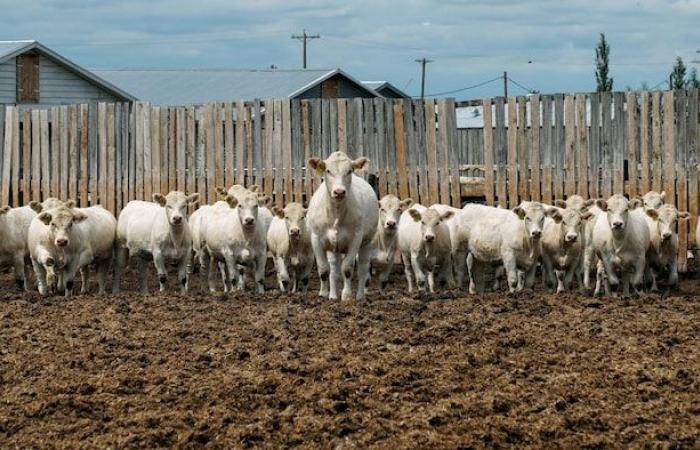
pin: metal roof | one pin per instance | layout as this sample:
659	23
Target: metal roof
196	86
379	85
11	49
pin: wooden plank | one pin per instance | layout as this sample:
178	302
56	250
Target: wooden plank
644	151
84	156
594	173
569	140
147	152
606	158
390	148
190	151
277	155
582	156
110	172
535	154
269	143
118	157
229	147
297	151
431	147
172	149
131	164
400	140
156	149
257	141
681	147
488	153
180	145
54	162
209	114
16	162
380	152
669	147
306	143
501	151
452	157
631	100
45	153
164	136
342	125
249	136
26	155
286	147
512	170
523	167
10	112
656	177
693	139
421	157
547	149
200	157
63	152
138	153
218	148
36	155
558	147
619	147
100	196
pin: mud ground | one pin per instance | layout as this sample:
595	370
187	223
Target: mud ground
401	371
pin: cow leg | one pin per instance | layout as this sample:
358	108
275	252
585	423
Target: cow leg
348	265
673	274
561	277
40	273
161	269
282	274
121	256
528	278
407	270
20	279
418	271
363	274
470	266
511	271
459	262
477	273
334	278
259	271
203	258
232	269
84	280
322	265
102	268
142	267
548	273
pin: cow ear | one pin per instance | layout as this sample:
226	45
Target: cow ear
634	203
520	212
4	209
192	199
415	215
406	203
654	214
36	206
588	203
447	215
360	163
79	216
221	192
253	188
318	165
663	196
554	214
264	200
69	203
602	204
278	212
45	217
231	200
159	198
586	215
683	214
560	204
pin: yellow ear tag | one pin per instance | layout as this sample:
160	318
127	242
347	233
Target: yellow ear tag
319	171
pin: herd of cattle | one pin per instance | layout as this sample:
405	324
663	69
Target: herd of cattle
625	242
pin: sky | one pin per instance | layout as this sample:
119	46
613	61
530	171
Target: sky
546	45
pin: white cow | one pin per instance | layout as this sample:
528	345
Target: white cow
238	191
157	230
458	243
14	228
424	242
510	237
620	241
653	199
64	240
663	241
386	238
563	244
289	241
343	215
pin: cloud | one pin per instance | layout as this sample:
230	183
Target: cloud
546	44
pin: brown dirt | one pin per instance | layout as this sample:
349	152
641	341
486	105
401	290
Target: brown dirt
401	371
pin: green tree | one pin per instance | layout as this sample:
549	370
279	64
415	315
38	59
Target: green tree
602	65
678	74
693	82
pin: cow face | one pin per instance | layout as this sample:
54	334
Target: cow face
653	199
666	219
617	208
533	215
390	209
429	220
571	222
337	172
175	205
248	209
60	222
294	215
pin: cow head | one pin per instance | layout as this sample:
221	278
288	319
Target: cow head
666	219
532	214
617	208
429	220
571	221
294	214
653	199
60	222
175	205
390	209
337	172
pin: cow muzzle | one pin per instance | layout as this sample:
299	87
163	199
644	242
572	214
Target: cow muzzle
339	193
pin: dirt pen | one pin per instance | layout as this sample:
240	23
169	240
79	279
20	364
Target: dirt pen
430	371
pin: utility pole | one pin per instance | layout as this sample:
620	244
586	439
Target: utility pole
423	62
303	37
505	85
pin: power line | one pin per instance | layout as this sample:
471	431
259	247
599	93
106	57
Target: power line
521	86
658	84
483	83
304	38
423	62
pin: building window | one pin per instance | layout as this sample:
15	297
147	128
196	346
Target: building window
28	78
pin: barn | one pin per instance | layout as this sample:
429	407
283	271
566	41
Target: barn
33	75
386	89
195	86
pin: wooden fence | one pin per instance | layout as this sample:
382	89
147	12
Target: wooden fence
538	147
111	153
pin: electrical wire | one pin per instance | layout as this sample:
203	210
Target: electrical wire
521	86
483	83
